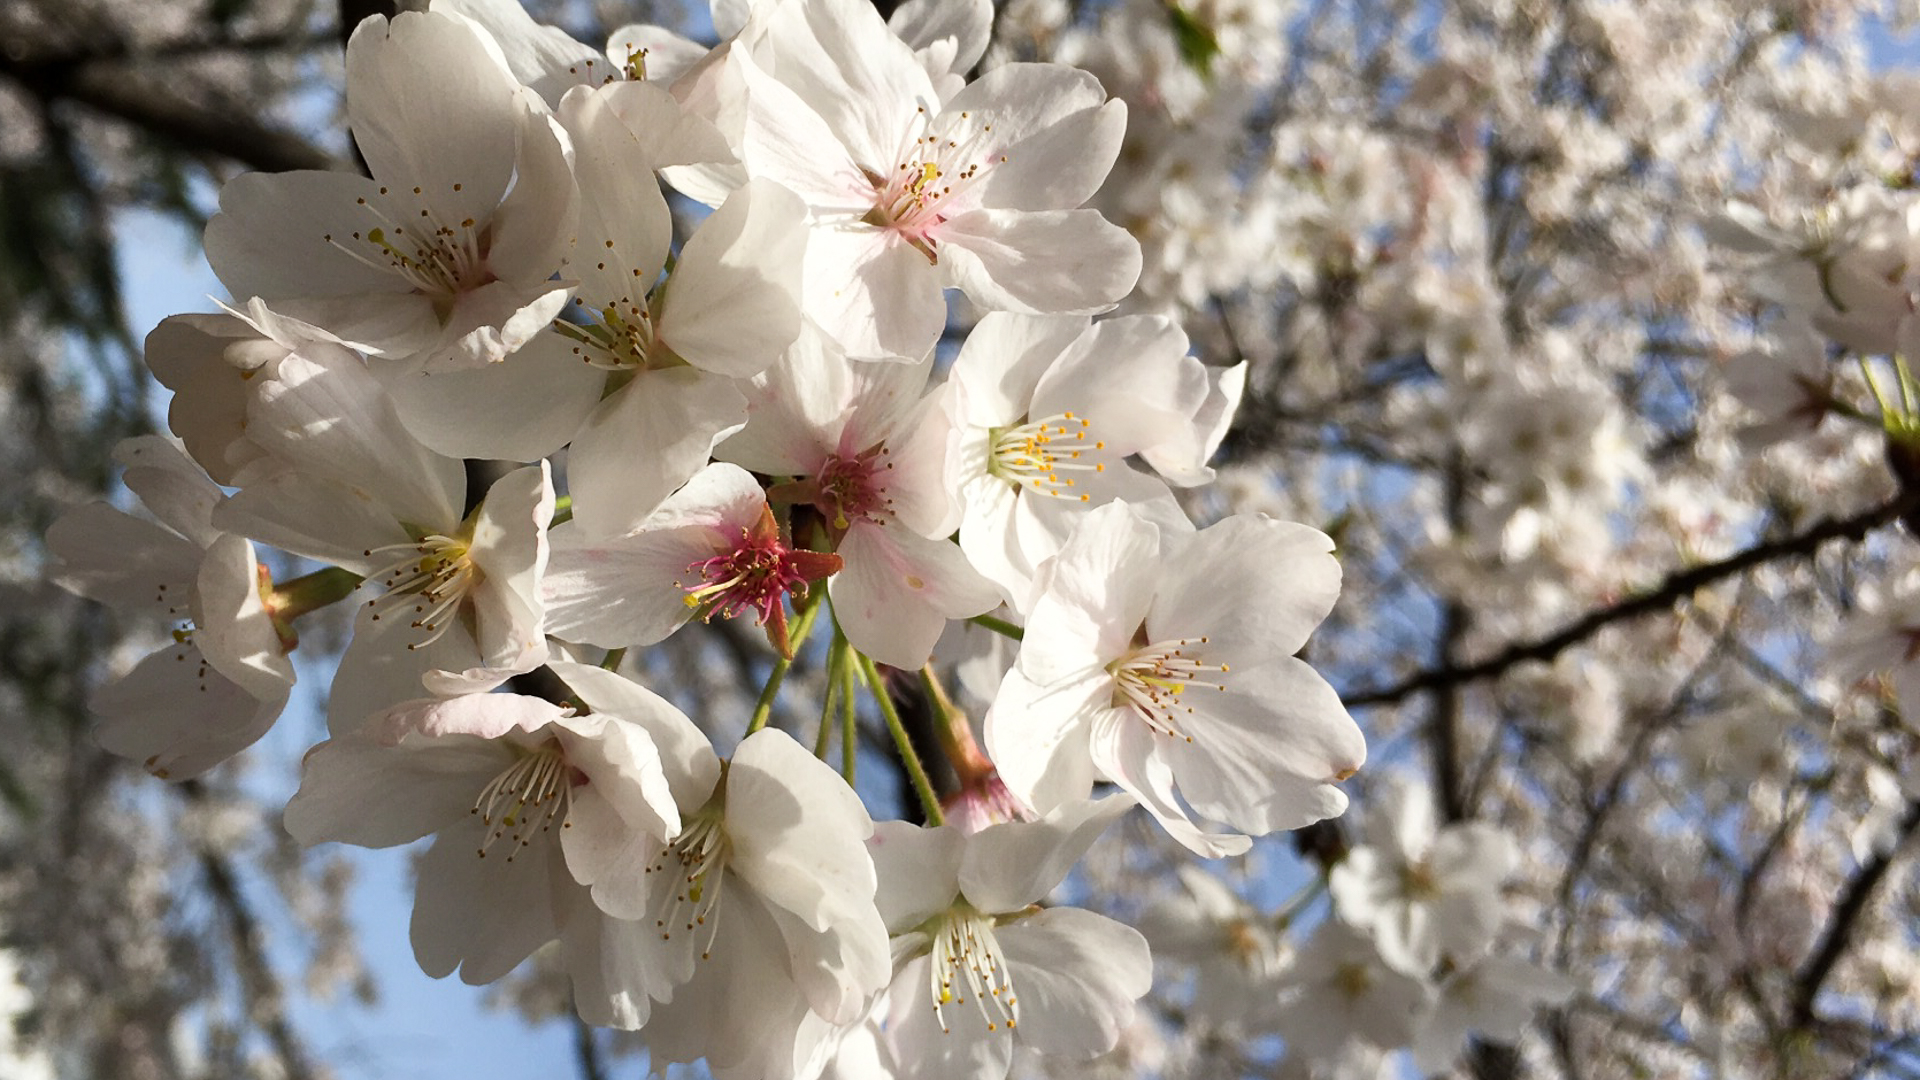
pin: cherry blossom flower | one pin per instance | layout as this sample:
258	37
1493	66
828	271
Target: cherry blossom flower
1163	662
447	255
869	451
979	968
1346	993
753	930
911	190
1424	892
528	801
223	678
712	548
1046	412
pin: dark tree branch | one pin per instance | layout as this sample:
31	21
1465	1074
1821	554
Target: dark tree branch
1838	935
1676	587
147	102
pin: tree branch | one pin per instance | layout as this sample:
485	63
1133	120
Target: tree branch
1676	587
1846	915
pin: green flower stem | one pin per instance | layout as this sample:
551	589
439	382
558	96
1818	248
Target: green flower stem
802	626
850	722
999	626
613	658
836	667
311	592
916	771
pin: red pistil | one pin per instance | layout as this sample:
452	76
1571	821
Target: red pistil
757	575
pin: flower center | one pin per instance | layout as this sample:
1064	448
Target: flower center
1034	454
696	860
854	488
620	336
432	576
949	153
754	576
967	961
1152	679
525	799
438	258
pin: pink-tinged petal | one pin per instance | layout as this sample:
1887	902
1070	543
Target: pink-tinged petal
669	420
669	132
789	143
1012	865
1055	130
171	486
233	628
873	292
968	24
521	409
1077	975
128	563
509	549
432	104
733	300
691	766
1255	585
481	915
1099	593
178	717
532	231
1061	262
1003	360
918	871
631	590
864	82
480	716
625	226
1038	739
1266	752
359	790
798	832
898	590
281	235
1126	751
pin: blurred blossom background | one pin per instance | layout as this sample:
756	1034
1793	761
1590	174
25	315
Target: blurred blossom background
1571	321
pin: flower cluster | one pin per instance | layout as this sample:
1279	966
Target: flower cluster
747	421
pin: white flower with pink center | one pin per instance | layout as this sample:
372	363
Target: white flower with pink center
912	190
712	548
869	451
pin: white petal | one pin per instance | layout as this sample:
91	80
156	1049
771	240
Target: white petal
509	549
967	23
1256	585
798	832
170	485
732	304
875	294
481	915
1059	262
360	790
128	563
898	590
686	756
1077	975
1038	739
234	630
1017	863
646	440
177	717
918	871
523	408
